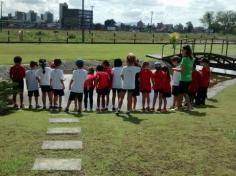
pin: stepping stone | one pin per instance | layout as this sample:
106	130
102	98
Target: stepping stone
71	130
46	164
63	120
60	145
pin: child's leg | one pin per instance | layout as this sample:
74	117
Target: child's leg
98	101
160	101
21	98
143	100
76	106
91	98
104	101
148	101
165	103
129	99
44	98
36	100
187	99
154	100
80	100
14	99
121	100
30	101
55	100
60	101
50	97
85	99
134	102
114	98
107	99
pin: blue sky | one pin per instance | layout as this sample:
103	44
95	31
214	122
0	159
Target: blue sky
167	11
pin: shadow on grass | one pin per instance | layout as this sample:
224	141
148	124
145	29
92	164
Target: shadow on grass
195	113
213	100
10	111
130	118
205	106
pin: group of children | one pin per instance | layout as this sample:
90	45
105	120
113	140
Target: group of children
120	80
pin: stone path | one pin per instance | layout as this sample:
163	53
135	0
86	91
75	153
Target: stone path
59	164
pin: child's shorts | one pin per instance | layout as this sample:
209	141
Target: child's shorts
58	92
46	89
175	90
34	93
19	85
157	91
166	94
136	92
183	87
146	91
73	96
102	92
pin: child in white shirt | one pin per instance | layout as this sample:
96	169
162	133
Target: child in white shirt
32	84
77	86
57	83
116	82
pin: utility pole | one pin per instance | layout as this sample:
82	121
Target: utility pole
1	17
91	22
151	20
82	23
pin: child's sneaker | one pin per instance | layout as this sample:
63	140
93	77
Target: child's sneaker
44	107
163	110
117	111
85	110
66	110
37	107
16	106
148	109
113	109
128	113
30	107
158	110
22	106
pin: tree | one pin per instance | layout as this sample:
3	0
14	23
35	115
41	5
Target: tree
110	23
98	26
189	26
208	20
227	20
179	28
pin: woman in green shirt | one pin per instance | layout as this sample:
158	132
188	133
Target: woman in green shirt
186	75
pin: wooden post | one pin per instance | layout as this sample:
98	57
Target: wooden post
8	36
227	47
194	41
222	47
181	44
39	36
67	37
92	37
212	40
114	38
153	38
134	38
205	46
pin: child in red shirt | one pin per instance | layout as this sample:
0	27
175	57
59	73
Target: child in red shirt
157	85
204	83
145	77
102	83
108	70
166	87
194	86
17	74
89	86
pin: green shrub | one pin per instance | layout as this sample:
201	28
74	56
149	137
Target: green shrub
71	36
6	89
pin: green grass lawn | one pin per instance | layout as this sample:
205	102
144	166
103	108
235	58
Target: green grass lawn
88	51
201	143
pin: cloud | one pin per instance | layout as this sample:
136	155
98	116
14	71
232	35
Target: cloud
168	11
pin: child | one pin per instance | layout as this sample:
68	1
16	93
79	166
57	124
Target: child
89	86
166	87
108	70
116	82
194	86
157	85
136	92
204	83
128	76
43	75
145	77
76	86
102	85
17	74
32	84
175	82
57	83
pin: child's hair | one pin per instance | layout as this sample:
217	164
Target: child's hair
33	64
118	63
204	60
194	66
17	59
105	63
99	68
43	63
90	70
57	62
145	64
79	63
166	69
158	65
176	59
131	59
188	50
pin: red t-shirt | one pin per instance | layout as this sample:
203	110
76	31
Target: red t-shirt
103	80
145	77
166	83
157	78
109	72
17	72
89	83
205	77
196	78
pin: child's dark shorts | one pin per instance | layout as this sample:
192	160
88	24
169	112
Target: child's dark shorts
46	88
19	85
175	90
103	92
34	93
183	87
73	96
58	92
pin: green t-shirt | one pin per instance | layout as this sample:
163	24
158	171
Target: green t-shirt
186	75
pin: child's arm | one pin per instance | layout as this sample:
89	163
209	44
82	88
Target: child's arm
63	85
71	82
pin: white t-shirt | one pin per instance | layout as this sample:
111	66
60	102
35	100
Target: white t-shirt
44	77
129	74
57	76
116	78
30	78
79	76
176	77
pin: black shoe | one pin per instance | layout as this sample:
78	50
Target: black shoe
30	106
66	110
114	109
44	107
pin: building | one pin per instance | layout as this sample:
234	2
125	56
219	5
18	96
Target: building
20	16
31	17
47	17
72	18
